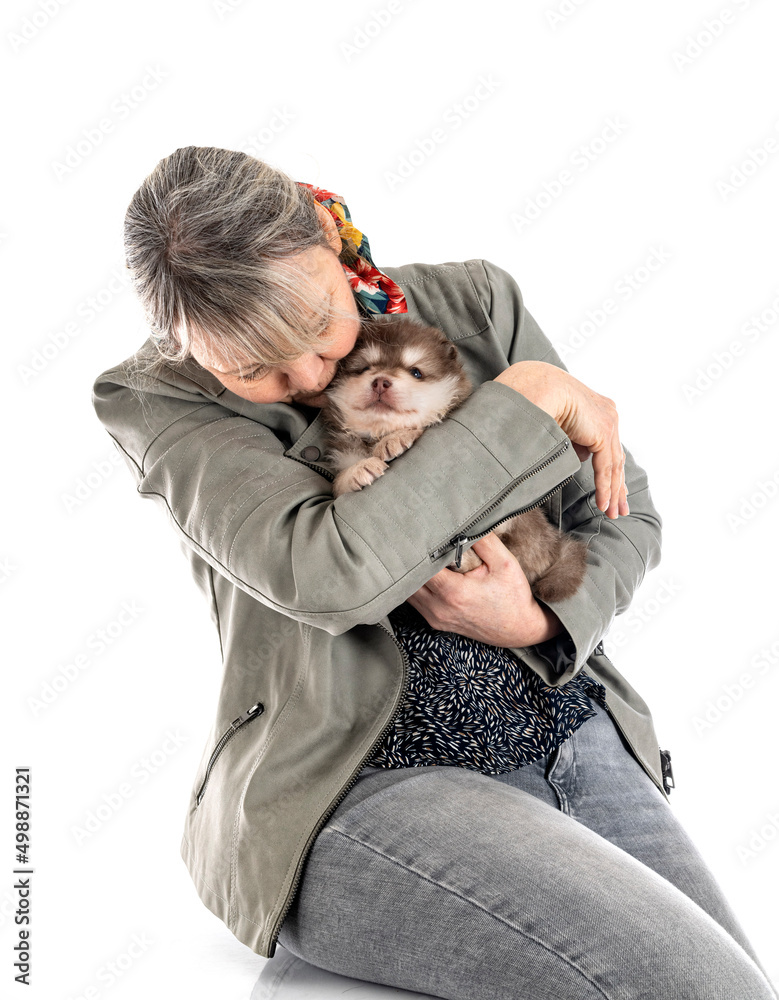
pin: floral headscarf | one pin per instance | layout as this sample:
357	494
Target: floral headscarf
376	292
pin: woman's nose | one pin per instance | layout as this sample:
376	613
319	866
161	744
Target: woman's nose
306	372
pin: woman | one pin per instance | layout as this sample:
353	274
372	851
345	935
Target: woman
551	870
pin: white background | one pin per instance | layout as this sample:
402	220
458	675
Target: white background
515	93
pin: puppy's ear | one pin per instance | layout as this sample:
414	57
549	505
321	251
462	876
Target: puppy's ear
448	350
363	332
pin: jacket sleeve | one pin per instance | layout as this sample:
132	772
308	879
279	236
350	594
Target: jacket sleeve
620	551
269	523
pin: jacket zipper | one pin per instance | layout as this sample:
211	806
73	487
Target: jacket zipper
254	712
646	768
599	651
342	794
327	473
459	541
318	468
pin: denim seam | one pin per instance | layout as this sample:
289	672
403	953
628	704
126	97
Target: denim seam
480	906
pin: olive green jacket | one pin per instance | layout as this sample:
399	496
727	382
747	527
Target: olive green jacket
299	585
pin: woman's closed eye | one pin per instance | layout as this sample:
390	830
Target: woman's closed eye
260	371
255	374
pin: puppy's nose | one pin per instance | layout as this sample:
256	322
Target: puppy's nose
380	383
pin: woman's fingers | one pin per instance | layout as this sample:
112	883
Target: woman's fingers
589	419
609	471
492	603
601	425
623	496
617	471
491	551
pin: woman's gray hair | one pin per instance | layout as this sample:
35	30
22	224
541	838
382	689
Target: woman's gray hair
212	240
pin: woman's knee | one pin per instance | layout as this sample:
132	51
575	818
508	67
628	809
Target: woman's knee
457	885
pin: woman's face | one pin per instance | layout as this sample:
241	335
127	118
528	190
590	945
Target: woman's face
304	380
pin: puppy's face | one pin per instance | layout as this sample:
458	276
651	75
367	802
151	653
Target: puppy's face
399	374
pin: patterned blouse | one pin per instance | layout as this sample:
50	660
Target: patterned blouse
473	705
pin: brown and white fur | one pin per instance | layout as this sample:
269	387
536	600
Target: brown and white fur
400	378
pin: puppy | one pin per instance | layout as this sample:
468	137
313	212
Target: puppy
400	378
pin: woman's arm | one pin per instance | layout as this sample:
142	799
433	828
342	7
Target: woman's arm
268	522
258	515
620	550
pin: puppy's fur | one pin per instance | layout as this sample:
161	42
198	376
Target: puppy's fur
400	378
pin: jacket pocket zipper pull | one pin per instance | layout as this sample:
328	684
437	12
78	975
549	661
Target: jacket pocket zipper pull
458	552
248	714
232	729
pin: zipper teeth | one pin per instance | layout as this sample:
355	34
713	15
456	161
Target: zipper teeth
223	741
321	469
599	650
317	468
453	542
523	510
342	794
636	754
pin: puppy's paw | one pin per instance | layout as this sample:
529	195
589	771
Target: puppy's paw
394	444
360	474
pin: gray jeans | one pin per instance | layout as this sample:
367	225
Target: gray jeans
567	878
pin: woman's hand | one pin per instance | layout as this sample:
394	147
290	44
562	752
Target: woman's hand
589	419
492	603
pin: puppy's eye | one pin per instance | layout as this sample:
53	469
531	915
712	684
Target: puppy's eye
416	372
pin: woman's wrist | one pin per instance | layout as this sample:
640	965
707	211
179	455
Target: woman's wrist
544	625
552	624
536	381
